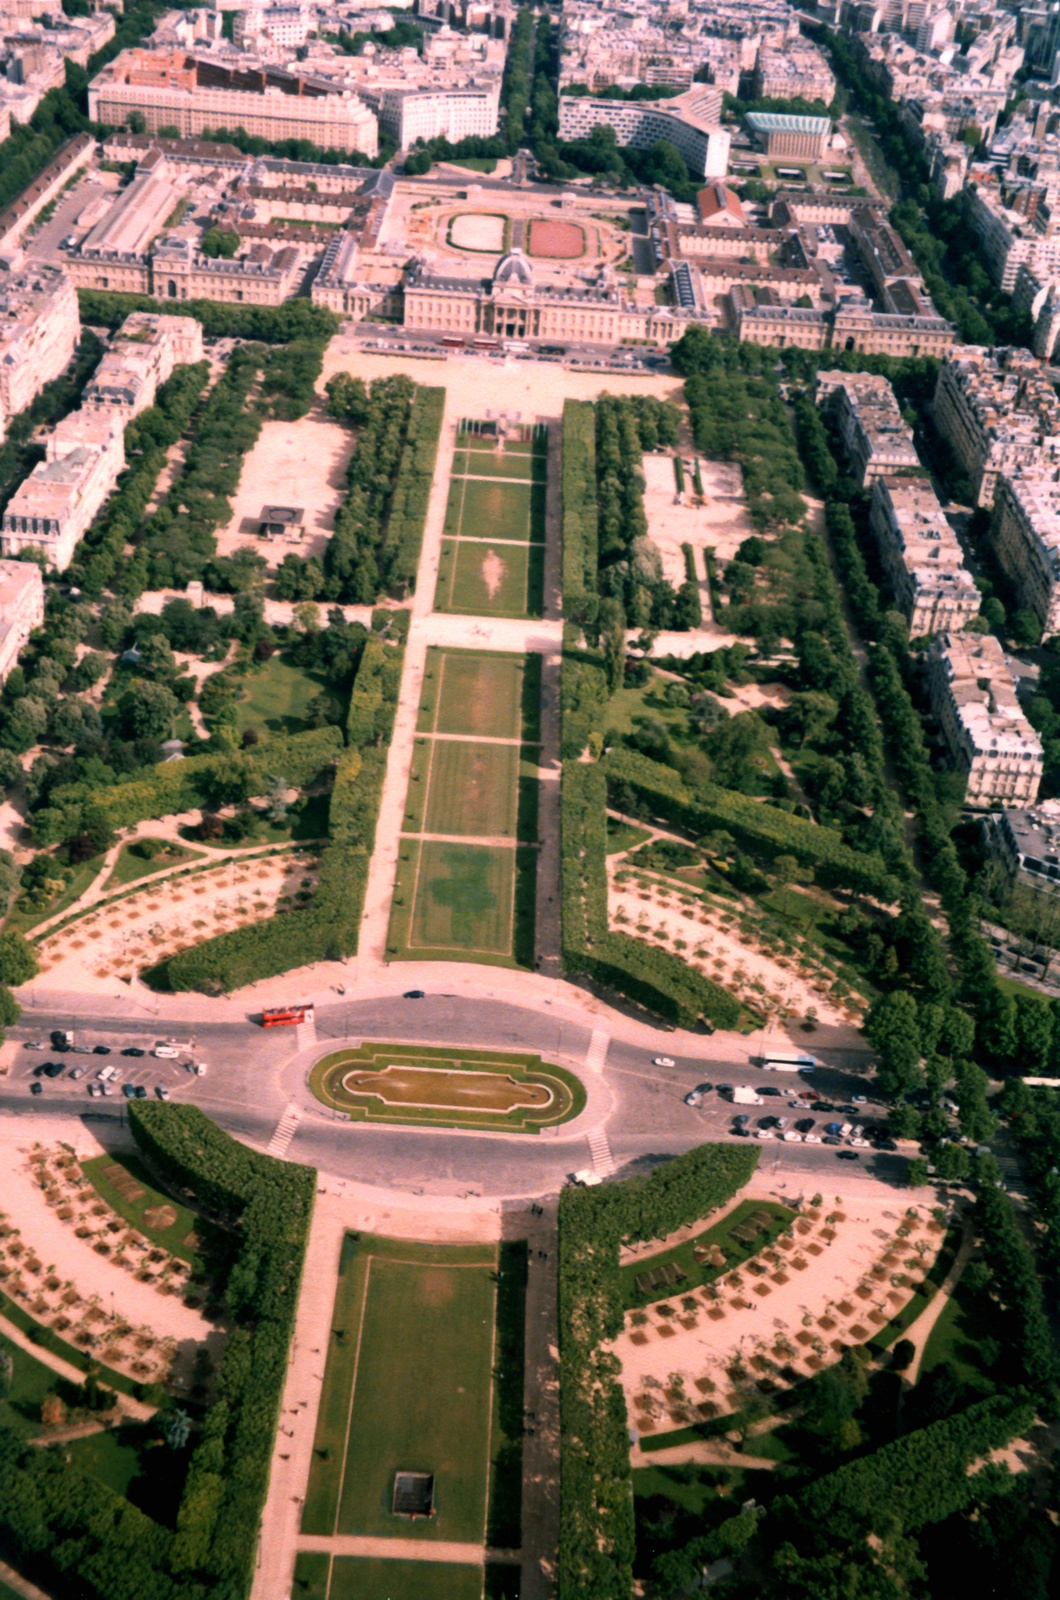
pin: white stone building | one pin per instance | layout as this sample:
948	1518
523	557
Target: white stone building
870	424
921	556
142	355
986	734
21	609
39	329
51	510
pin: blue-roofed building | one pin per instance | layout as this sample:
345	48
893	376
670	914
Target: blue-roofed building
782	134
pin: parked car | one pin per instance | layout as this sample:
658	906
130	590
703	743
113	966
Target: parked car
831	1138
847	1155
128	1090
78	1072
36	1088
165	1052
414	994
741	1121
887	1144
792	1137
140	1092
860	1099
134	1050
101	1049
764	1133
770	1090
704	1088
52	1069
811	1138
161	1091
34	1044
804	1124
95	1089
861	1144
740	1133
656	1061
693	1098
780	1122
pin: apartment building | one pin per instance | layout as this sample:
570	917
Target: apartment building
53	507
1026	846
985	732
1025	538
410	114
870	425
921	557
39	329
283	25
1009	240
997	412
142	355
792	71
193	94
21	609
690	122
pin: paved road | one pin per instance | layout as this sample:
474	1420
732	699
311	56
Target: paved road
252	1074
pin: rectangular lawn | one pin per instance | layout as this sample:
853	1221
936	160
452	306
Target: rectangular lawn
473	789
464	898
422	1397
366	1578
495	510
474	694
480	578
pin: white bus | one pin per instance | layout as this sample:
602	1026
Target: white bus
787	1061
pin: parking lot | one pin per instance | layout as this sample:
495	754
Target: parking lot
91	1068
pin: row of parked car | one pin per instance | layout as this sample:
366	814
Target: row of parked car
107	1079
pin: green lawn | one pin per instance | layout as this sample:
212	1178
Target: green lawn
130	865
723	1234
623	836
464	898
312	1572
31	1382
412	1335
327	1081
130	1175
472	789
363	1578
479	578
958	1336
495	510
513	466
481	694
278	696
110	1456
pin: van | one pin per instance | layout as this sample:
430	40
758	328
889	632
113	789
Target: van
586	1177
846	1130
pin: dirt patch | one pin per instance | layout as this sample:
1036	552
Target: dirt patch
157	1218
493	570
556	241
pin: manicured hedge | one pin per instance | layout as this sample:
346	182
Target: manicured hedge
762	828
654	978
175	786
403	539
924	1477
583	694
270	1204
579	504
329	927
596	1536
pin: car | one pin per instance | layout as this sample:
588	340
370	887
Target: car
764	1133
52	1069
34	1044
740	1133
848	1110
414	994
832	1127
107	1088
656	1061
134	1050
773	1092
860	1099
861	1144
887	1144
740	1122
704	1088
95	1089
165	1052
725	1088
811	1138
78	1072
692	1098
36	1088
106	1073
161	1091
59	1044
80	1049
792	1137
847	1155
804	1124
586	1177
101	1049
780	1122
128	1090
825	1105
140	1092
831	1138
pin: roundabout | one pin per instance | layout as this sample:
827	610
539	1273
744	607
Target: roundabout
468	1089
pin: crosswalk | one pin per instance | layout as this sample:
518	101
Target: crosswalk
596	1054
1012	1172
600	1150
285	1131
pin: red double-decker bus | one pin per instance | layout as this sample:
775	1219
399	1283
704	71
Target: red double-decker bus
285	1016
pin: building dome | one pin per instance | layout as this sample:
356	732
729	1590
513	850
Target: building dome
514	268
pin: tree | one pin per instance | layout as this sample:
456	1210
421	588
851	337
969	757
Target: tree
902	1355
156	657
52	1411
90	669
916	1173
892	1028
10	1010
613	633
18	959
220	242
148	711
952	1163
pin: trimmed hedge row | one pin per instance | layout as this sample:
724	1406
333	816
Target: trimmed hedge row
597	1535
580	516
175	786
271	1204
654	978
403	539
759	827
922	1478
329	927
